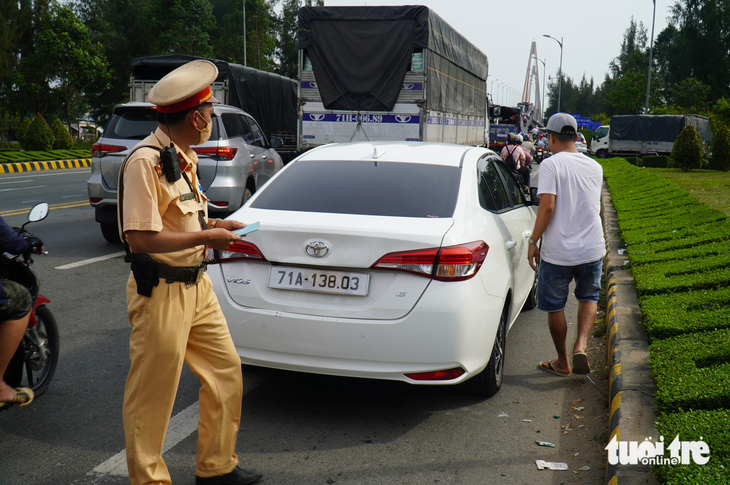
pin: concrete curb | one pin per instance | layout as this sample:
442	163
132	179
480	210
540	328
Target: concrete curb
632	413
48	165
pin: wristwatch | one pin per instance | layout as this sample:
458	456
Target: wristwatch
533	241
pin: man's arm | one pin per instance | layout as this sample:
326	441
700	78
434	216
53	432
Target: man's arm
544	215
145	242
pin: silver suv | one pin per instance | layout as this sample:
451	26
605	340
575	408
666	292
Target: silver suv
232	165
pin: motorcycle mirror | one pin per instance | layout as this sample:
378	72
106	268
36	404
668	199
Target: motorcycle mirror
38	212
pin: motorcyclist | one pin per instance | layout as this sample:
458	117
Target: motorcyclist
15	306
541	142
528	145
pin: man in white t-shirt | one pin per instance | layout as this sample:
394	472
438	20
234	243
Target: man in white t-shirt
569	223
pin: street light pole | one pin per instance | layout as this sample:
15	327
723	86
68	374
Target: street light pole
244	32
651	53
560	69
491	90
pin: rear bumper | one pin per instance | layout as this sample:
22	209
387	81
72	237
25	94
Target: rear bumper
441	332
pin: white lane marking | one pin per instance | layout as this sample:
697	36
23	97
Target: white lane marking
16	182
23	188
181	426
70	196
90	261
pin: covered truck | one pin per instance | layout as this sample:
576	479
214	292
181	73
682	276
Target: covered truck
638	135
271	99
398	73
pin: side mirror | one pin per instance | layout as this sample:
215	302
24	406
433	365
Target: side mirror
276	142
533	196
38	212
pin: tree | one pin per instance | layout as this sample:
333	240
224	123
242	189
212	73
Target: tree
691	94
117	26
721	149
62	138
627	88
180	26
287	47
39	135
72	66
227	38
687	150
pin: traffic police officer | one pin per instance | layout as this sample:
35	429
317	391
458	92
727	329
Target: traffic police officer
173	311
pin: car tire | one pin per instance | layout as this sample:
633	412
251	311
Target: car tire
531	301
488	381
246	195
110	232
602	153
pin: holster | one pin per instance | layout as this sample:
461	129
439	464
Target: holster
144	269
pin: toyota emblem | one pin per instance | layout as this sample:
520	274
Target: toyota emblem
317	249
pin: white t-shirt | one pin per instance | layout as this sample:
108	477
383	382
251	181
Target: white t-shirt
575	233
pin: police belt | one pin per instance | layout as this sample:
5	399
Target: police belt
183	274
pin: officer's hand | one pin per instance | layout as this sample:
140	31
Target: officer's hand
229	224
220	238
533	256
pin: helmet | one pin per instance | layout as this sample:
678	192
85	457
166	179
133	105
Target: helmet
518	138
511	138
540	135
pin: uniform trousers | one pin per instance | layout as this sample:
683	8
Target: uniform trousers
180	322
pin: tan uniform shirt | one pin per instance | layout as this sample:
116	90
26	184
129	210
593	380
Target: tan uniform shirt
151	203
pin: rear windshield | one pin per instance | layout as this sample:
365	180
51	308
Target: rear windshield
363	187
138	124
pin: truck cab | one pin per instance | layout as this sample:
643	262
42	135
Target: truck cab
599	143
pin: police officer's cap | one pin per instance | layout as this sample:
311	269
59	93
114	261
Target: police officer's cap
185	87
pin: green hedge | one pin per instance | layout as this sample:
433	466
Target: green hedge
692	371
679	254
682	313
39	156
708	426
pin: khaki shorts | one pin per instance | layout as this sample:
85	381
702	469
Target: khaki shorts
19	301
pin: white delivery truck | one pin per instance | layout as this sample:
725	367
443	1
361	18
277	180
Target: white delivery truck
396	73
639	135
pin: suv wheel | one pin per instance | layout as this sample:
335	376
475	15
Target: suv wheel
110	232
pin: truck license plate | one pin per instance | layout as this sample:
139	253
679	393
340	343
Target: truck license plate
319	281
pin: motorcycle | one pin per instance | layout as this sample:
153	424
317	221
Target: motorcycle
541	154
35	361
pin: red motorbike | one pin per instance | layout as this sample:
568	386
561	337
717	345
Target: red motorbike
35	361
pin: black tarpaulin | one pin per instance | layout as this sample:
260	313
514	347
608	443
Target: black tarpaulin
454	90
663	128
271	99
360	54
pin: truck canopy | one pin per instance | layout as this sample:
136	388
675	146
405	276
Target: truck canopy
271	99
360	56
658	128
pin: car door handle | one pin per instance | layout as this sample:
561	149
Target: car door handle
510	244
527	233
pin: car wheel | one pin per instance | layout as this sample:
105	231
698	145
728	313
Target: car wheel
110	232
531	301
488	381
602	153
246	195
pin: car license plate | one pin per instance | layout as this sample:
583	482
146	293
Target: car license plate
319	281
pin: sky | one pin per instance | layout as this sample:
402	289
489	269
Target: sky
592	33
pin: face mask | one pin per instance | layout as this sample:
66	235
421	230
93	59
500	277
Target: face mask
205	132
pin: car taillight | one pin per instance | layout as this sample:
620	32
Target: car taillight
452	263
439	375
242	250
219	153
94	200
101	149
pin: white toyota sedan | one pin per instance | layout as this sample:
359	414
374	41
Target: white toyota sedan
400	261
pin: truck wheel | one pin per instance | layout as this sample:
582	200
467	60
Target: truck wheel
110	232
602	153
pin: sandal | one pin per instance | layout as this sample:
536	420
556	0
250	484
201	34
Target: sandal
23	397
547	366
580	364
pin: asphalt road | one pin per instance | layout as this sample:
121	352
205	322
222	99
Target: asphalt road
296	428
